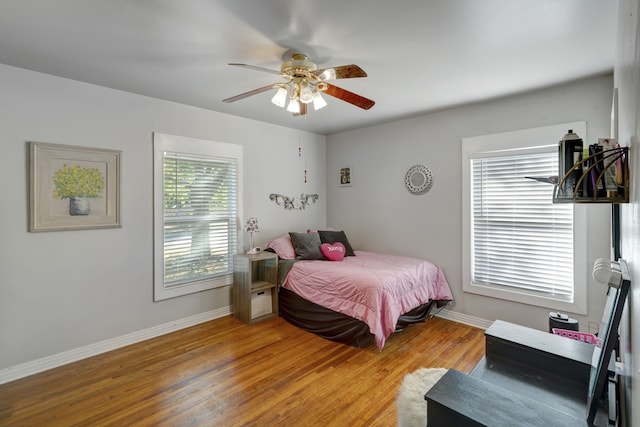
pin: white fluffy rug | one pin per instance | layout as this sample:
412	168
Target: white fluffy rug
412	408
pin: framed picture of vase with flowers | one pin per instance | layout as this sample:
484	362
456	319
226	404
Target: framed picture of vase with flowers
73	188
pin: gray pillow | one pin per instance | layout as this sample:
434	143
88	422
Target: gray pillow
306	245
330	236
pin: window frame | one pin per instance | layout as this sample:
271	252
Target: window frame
188	147
533	140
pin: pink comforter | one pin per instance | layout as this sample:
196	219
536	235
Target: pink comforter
374	288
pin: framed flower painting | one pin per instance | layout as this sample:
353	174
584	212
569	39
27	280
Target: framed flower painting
73	188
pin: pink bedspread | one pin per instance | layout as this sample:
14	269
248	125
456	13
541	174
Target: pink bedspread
374	288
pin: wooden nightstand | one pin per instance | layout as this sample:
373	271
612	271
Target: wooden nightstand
255	287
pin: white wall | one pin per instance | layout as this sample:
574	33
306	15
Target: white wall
378	213
64	290
627	80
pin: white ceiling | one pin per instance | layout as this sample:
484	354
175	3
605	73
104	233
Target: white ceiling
420	55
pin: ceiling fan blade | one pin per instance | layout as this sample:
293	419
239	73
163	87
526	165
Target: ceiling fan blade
350	97
255	67
250	93
341	72
303	109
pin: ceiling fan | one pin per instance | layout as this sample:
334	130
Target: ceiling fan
305	83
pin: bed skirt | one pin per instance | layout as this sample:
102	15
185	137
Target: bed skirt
336	326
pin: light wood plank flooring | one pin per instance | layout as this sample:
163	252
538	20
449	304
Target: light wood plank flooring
225	373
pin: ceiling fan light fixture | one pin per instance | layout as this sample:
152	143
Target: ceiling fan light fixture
318	101
280	98
306	93
293	107
305	83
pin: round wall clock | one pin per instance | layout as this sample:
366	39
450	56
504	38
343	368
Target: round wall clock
418	179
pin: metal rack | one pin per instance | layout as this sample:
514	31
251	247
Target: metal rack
599	178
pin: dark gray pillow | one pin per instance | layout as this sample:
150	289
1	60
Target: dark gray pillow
306	245
336	236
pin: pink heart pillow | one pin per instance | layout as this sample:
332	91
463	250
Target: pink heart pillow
333	251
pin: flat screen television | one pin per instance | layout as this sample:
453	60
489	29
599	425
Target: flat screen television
607	339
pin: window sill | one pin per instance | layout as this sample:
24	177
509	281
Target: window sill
576	307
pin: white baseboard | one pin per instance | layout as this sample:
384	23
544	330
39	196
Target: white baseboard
29	368
464	318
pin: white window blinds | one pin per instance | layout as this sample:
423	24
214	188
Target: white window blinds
196	199
520	239
200	233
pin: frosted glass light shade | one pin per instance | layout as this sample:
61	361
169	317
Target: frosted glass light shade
280	98
293	106
318	101
306	93
328	74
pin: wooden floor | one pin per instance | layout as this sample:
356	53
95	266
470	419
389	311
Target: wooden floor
225	373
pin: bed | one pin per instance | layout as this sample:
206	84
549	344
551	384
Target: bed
361	299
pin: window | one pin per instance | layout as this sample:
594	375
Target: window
196	187
518	245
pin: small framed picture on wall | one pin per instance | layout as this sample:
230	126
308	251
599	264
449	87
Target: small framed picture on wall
346	178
